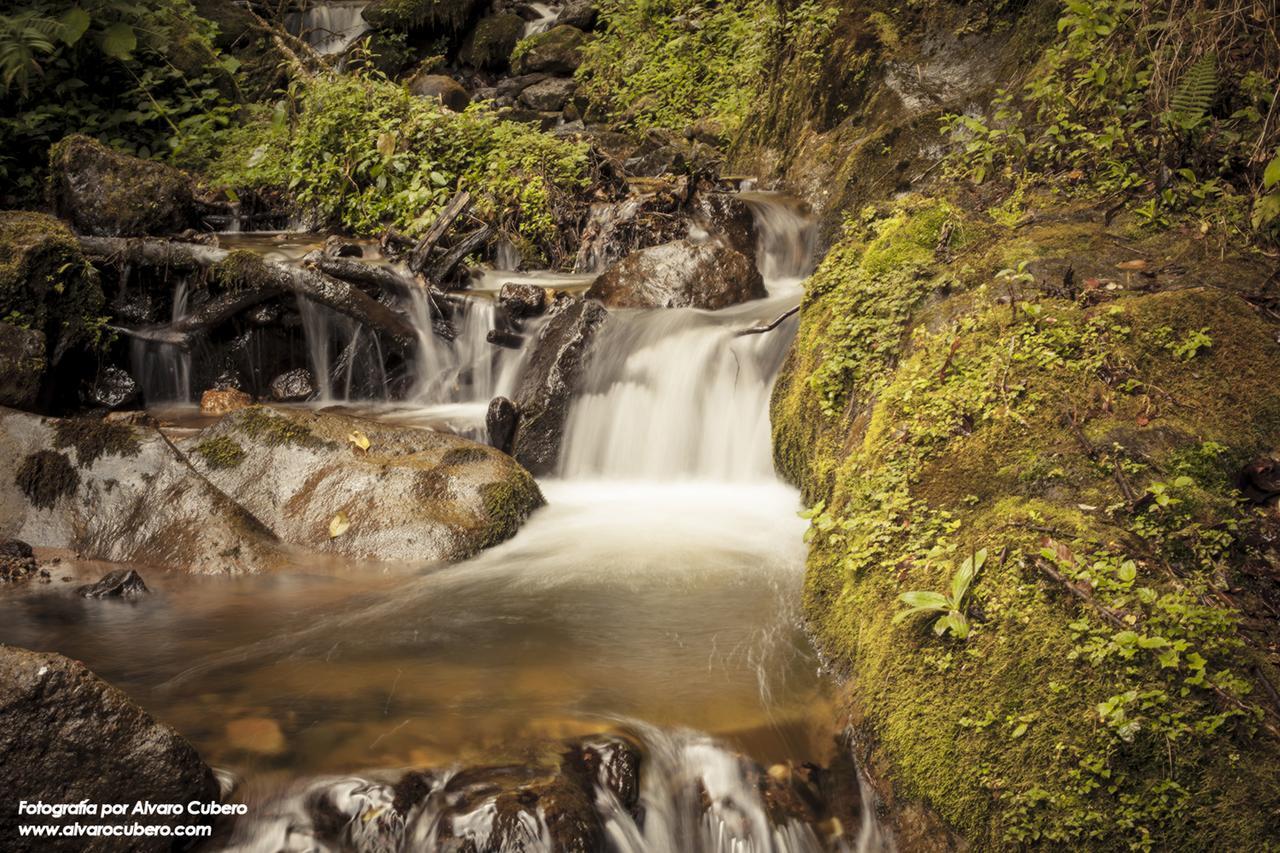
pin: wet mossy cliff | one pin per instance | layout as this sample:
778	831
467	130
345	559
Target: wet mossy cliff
1072	390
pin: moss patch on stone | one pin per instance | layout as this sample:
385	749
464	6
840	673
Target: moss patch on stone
507	504
45	476
939	401
221	452
441	16
93	439
260	424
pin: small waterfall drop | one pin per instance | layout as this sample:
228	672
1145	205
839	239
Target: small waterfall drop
545	16
163	371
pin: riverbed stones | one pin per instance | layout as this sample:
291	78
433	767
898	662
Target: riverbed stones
556	51
549	95
293	386
108	194
17	561
67	736
708	274
126	496
552	376
121	583
412	495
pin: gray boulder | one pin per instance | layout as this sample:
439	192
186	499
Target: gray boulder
412	495
68	736
709	274
582	14
551	378
556	51
549	95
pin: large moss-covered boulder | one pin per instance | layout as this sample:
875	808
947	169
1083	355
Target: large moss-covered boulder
46	284
441	17
685	273
110	491
1072	429
556	51
68	737
490	44
411	495
108	194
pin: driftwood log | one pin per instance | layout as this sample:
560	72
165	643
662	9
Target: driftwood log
256	280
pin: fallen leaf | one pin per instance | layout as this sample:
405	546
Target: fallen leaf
1132	265
1092	283
359	439
1143	420
339	525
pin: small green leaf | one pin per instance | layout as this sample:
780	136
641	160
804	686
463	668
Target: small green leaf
1271	176
924	598
1019	731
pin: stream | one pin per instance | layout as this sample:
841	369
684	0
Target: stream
657	593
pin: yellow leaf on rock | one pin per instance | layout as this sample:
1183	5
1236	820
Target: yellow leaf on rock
339	525
359	439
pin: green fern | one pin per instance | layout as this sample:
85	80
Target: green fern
1189	105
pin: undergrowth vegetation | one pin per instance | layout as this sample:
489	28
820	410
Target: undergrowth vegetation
1167	108
142	76
363	153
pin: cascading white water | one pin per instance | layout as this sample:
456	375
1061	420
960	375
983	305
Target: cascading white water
680	393
330	28
545	17
163	371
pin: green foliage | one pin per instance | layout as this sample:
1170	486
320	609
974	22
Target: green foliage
1189	106
669	63
951	605
141	75
362	152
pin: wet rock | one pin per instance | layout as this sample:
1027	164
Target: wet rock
122	583
412	495
616	229
550	95
610	762
114	388
556	51
293	386
579	13
108	194
341	247
228	379
22	366
223	401
131	418
46	280
554	373
490	44
128	496
522	300
500	423
17	561
729	216
1260	480
682	274
511	87
504	338
68	736
446	90
266	314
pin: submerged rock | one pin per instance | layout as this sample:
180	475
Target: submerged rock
109	194
522	300
550	379
22	365
17	561
122	583
67	736
709	274
411	495
123	494
293	386
556	51
446	90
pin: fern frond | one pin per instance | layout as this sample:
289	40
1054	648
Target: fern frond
1194	93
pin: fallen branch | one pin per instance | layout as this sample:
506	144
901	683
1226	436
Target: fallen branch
454	256
777	321
259	281
421	252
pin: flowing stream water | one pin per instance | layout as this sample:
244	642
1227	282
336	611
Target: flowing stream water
656	593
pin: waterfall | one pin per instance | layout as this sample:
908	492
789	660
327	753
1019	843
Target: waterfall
331	28
679	394
545	17
346	360
163	371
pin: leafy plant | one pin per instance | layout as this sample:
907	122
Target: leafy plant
1190	102
951	605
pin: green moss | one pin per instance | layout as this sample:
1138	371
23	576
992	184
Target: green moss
45	476
260	424
105	192
440	16
221	452
964	422
491	42
93	439
47	284
241	269
464	455
507	504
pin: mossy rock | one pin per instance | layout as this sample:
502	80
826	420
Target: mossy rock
438	17
1086	437
108	194
490	44
22	365
556	51
46	283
